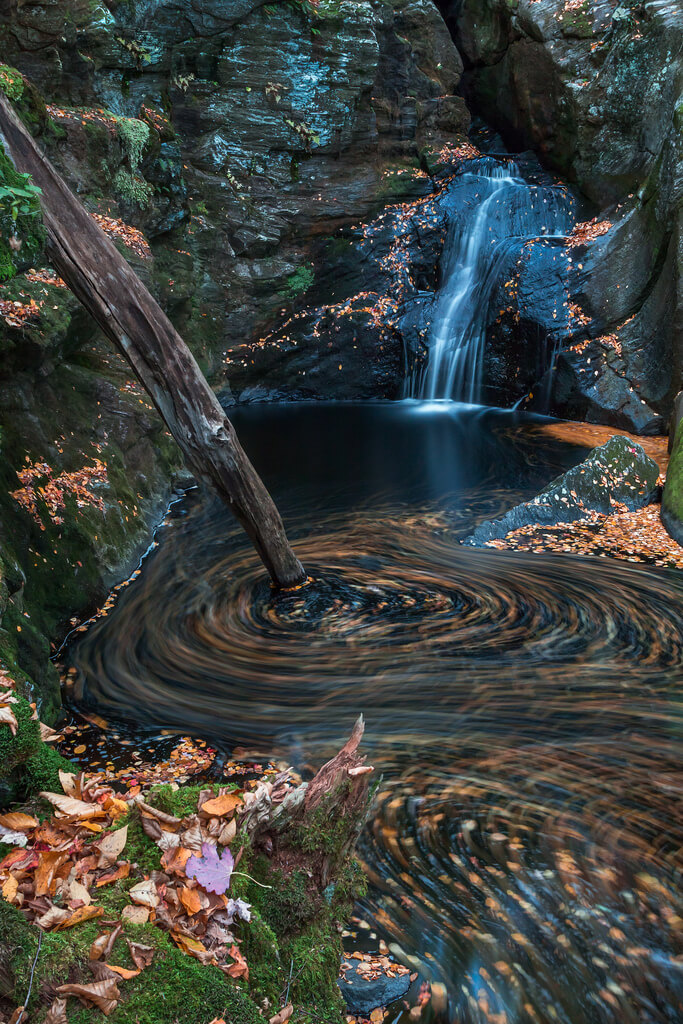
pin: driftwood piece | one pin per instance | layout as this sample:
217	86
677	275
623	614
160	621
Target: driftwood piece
318	824
123	308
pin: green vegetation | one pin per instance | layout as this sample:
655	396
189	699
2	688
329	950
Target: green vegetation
134	135
133	188
298	283
21	224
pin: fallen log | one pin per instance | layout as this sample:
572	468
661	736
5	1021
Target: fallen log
122	307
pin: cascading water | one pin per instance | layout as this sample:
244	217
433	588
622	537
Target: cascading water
492	212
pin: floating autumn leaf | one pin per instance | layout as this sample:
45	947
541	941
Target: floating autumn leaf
111	846
212	871
283	1016
105	995
221	805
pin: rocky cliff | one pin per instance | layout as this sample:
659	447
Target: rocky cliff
596	88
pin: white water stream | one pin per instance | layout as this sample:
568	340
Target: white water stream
492	211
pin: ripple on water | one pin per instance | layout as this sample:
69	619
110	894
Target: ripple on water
525	850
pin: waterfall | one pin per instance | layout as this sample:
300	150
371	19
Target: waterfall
492	211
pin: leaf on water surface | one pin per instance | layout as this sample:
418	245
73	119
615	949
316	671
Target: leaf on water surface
211	870
105	995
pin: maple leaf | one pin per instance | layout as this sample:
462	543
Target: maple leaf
211	870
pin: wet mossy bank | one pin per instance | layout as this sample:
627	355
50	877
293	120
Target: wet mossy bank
292	944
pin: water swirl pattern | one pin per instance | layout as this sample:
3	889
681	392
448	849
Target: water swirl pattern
525	848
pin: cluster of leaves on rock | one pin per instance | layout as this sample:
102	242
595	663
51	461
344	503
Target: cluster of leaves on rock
52	492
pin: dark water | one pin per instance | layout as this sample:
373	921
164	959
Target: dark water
524	710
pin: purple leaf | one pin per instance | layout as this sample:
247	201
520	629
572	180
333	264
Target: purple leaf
211	871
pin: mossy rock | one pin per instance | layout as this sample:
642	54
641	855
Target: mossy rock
27	765
672	501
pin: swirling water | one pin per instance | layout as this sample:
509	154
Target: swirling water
492	211
525	848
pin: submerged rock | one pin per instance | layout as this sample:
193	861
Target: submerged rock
363	995
617	476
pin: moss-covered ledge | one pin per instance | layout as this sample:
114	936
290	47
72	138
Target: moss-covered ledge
294	848
672	499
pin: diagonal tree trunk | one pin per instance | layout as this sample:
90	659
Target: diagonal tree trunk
120	304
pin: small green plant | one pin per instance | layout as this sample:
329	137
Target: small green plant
137	50
307	135
182	82
19	201
298	283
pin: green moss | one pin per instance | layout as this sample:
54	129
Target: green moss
133	188
20	217
267	978
672	501
16	750
41	771
134	136
313	958
291	902
180	801
11	82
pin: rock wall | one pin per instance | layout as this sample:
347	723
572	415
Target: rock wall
228	146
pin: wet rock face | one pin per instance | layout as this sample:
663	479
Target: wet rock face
617	476
596	88
244	140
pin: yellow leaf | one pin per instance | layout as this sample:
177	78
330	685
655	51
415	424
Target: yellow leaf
81	915
124	972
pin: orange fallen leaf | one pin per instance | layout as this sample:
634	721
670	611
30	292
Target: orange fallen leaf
191	900
122	871
49	863
17	821
284	1015
124	972
220	805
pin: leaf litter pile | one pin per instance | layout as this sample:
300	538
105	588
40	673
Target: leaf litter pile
60	868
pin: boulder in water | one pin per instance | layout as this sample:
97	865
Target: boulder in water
363	995
616	476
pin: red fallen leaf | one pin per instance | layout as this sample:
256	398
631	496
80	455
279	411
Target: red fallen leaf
240	968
